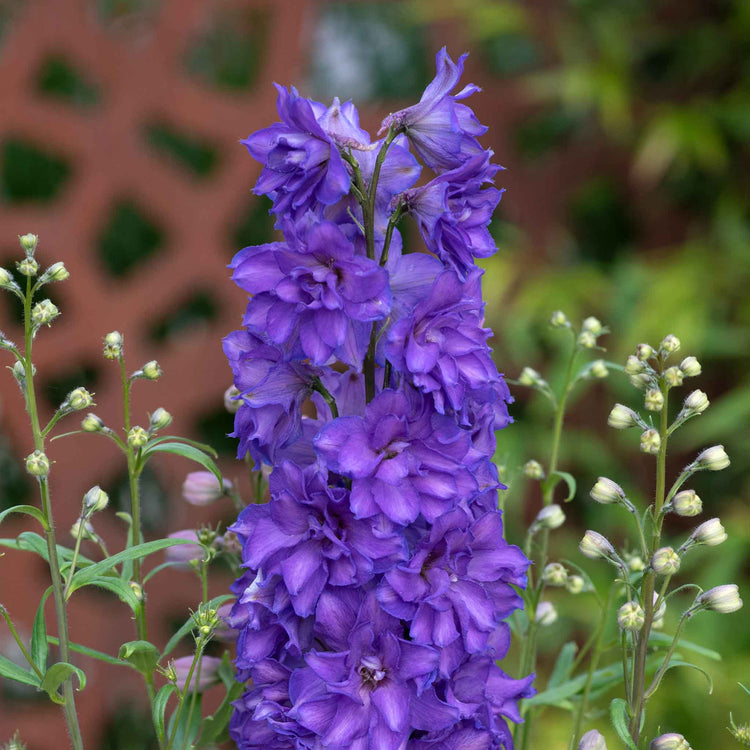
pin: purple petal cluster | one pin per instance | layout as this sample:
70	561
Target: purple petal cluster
371	610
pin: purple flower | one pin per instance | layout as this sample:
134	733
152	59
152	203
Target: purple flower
302	166
183	554
313	293
404	459
203	488
442	131
209	672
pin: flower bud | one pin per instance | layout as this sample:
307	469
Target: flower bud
592	740
696	402
670	344
533	470
594	545
209	673
83	529
671	741
37	464
641	381
555	574
690	367
605	491
78	399
599	369
231	402
586	340
723	599
28	267
550	517
137	590
19	371
203	488
92	423
673	376
665	561
529	376
592	325
113	343
206	620
631	616
56	272
184	554
151	370
654	400
621	417
644	352
28	242
137	437
713	459
650	442
711	533
43	313
95	499
686	503
559	320
546	614
160	419
659	611
635	563
634	366
575	584
6	280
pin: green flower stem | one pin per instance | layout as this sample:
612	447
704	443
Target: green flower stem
69	706
637	701
328	398
76	551
193	698
198	656
665	664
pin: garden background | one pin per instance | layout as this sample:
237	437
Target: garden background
621	124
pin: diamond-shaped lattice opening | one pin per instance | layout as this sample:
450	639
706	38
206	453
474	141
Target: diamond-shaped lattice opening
30	174
84	374
58	78
542	133
213	427
254	225
229	53
196	310
128	238
602	224
192	153
153	499
14	485
362	53
510	53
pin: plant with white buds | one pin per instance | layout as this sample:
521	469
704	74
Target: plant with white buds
713	459
696	403
635	563
533	470
559	320
650	442
723	599
673	376
550	517
711	533
546	614
686	503
598	369
6	280
630	616
665	561
690	367
641	381
654	399
670	344
621	417
555	574
594	545
606	492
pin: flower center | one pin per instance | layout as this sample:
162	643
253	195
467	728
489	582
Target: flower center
371	671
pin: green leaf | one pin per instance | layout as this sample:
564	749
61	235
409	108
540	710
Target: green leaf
160	706
183	734
215	603
56	675
116	586
186	451
663	638
28	510
680	663
177	438
39	646
28	541
563	665
744	688
215	729
92	652
569	479
12	671
144	656
618	713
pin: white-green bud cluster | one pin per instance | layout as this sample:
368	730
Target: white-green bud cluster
533	470
598	369
94	500
621	417
43	313
594	545
545	614
665	561
555	574
206	620
713	459
586	340
160	419
28	267
113	343
671	741
673	376
151	370
78	399
37	464
690	367
686	503
606	492
654	399
670	344
593	325
549	517
631	616
634	365
137	437
92	423
650	442
559	320
723	599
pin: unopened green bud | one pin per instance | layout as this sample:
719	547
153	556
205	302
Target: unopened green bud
644	352
56	272
37	464
529	376
151	370
555	574
29	242
713	459
690	367
654	400
545	614
650	442
631	616
137	437
593	325
671	741
559	319
586	340
673	376
640	381
82	528
533	470
137	590
711	533
621	417
44	312
594	545
231	402
665	561
549	517
696	402
670	344
113	343
605	491
6	280
28	267
599	369
92	423
635	563
723	599
95	499
19	371
79	399
634	366
686	503
575	584
160	419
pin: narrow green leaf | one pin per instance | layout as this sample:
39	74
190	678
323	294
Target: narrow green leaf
680	663
159	568
184	735
188	625
56	675
12	671
116	586
144	656
28	510
160	706
92	652
179	439
563	665
186	451
569	479
663	638
39	645
744	688
618	713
